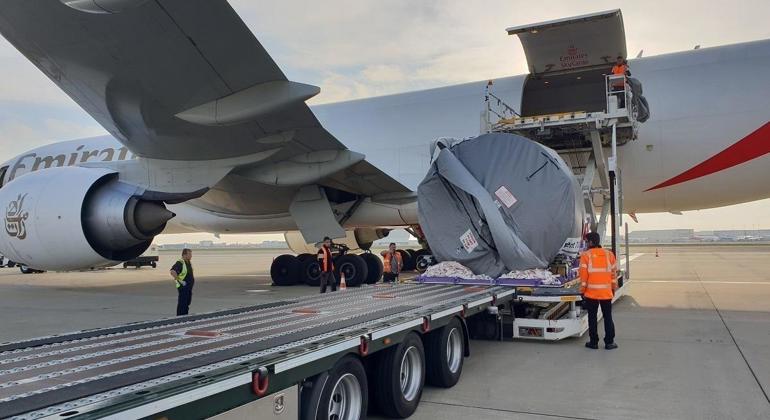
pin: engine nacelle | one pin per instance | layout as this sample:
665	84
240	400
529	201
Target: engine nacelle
72	218
359	238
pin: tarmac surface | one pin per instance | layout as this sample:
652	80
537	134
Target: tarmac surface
694	334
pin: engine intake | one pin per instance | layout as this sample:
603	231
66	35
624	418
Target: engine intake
72	218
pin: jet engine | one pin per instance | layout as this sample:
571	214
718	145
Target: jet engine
73	218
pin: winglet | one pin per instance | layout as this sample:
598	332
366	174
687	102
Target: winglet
250	103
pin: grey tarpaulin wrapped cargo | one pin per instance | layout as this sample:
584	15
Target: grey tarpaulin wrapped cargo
498	202
639	101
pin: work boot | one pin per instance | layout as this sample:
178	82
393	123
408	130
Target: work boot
592	345
610	346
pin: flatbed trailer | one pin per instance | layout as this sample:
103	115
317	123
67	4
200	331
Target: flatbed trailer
291	359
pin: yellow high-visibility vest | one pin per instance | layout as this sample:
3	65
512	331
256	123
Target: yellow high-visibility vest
181	276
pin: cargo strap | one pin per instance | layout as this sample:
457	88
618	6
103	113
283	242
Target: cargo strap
514	253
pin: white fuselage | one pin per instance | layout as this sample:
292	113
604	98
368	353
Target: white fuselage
702	102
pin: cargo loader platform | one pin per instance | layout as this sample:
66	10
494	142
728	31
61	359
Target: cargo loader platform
173	366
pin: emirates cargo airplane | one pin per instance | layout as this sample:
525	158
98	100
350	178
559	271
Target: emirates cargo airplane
207	134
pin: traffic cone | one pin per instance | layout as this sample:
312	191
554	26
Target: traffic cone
343	285
656	252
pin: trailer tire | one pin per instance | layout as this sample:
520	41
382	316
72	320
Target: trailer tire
374	267
353	266
407	360
343	389
285	270
445	348
153	264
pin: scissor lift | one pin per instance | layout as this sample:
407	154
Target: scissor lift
588	142
569	103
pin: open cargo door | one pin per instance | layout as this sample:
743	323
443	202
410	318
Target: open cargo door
575	43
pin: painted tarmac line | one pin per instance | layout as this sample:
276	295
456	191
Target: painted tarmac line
631	258
239	275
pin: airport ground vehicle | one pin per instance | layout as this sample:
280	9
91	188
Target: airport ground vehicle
316	357
150	257
5	262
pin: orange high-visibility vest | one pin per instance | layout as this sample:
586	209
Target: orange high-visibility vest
618	70
598	277
327	262
387	262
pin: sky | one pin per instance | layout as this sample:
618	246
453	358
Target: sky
354	49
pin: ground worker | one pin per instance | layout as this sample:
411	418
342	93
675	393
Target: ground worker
620	68
326	262
392	265
182	272
598	282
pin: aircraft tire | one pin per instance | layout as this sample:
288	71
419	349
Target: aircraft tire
374	266
407	260
285	270
310	271
353	266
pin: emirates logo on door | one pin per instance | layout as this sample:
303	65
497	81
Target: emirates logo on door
16	217
573	57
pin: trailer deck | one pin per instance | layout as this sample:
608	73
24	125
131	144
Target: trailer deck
141	367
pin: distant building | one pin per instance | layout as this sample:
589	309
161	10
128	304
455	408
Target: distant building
273	244
206	244
661	236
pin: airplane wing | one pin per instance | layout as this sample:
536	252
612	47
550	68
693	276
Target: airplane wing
173	79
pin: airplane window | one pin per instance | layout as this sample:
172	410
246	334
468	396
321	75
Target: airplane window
3	170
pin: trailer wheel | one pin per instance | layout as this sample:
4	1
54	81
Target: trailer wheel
407	259
374	267
284	270
445	348
353	266
125	265
310	271
399	377
153	264
342	393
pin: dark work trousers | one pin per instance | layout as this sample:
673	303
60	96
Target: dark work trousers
185	298
389	277
592	306
328	277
